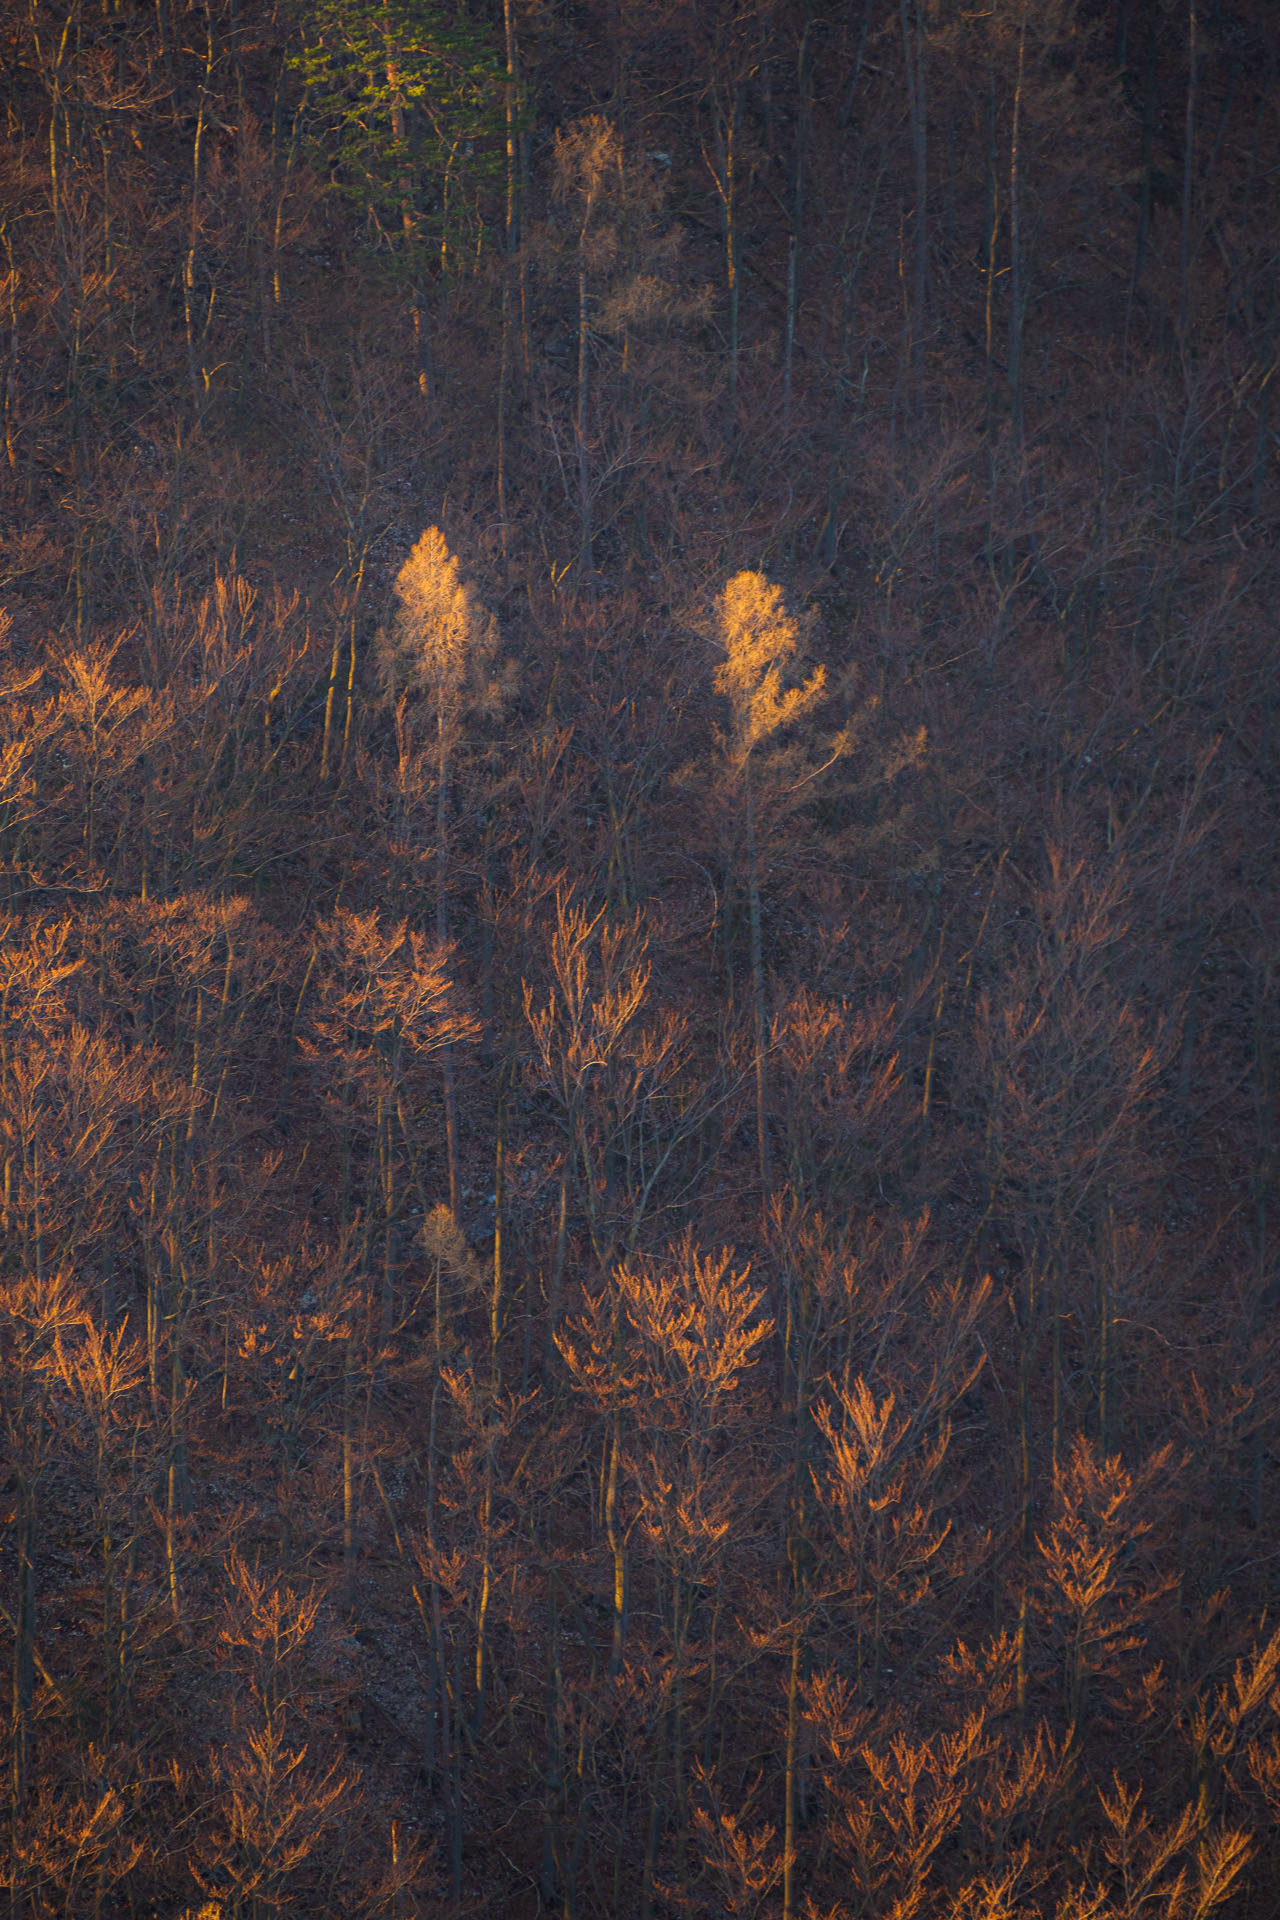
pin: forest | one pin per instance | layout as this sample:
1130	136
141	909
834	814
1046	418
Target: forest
638	981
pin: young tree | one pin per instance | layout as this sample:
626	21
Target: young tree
1094	1591
441	655
759	639
588	167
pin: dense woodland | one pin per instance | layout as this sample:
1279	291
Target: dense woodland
638	1056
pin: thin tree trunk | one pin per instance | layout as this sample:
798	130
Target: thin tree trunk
617	1549
993	241
193	232
1146	149
729	199
552	1823
797	213
586	558
1188	171
486	1584
23	1649
348	1468
351	684
510	247
757	998
562	1243
789	1792
913	47
495	1296
1017	259
329	698
442	935
504	363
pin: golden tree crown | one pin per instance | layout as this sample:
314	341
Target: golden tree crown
760	639
441	637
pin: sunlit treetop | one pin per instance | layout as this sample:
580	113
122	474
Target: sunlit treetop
760	639
442	644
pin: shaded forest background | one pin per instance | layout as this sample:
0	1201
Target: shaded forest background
629	1288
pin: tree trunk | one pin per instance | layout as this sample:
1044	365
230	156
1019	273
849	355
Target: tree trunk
1188	171
757	998
586	554
24	1648
913	47
797	212
789	1790
1017	253
617	1548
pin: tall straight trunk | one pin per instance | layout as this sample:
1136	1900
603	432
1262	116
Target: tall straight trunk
800	1347
586	556
1188	170
617	1549
233	48
789	1788
653	1834
511	106
117	1569
1017	250
451	1125
486	1586
989	303
277	230
350	691
419	321
408	223
455	1777
1145	153
728	196
511	242
913	48
331	694
757	997
444	1755
344	635
442	934
495	1294
1262	1182
1104	1356
178	1480
23	1648
797	212
387	1198
11	361
1026	1359
561	1252
349	1467
165	32
554	1808
681	1607
193	228
504	374
436	1756
171	1541
1055	1437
